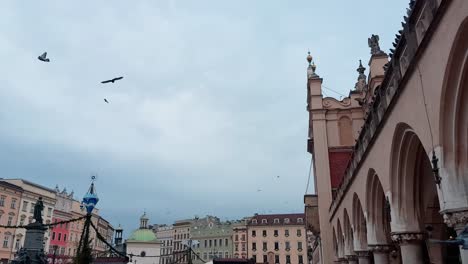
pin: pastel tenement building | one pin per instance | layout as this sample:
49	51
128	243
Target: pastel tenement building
181	234
165	234
214	236
10	197
277	238
391	159
239	238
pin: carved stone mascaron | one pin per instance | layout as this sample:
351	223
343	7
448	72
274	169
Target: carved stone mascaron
456	218
407	237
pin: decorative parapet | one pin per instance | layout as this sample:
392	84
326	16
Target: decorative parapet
422	18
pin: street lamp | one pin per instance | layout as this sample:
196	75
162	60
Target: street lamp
55	253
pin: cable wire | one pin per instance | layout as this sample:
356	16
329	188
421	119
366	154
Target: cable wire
45	225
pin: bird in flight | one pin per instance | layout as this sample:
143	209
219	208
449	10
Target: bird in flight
105	100
112	80
259	190
43	57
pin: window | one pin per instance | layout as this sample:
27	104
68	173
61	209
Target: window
226	254
215	242
286	220
300	220
22	220
254	221
62	251
220	242
288	259
210	242
275	233
71	237
205	256
265	259
237	238
288	245
17	244
254	246
10	220
286	232
243	237
236	246
264	221
2	200
299	245
265	248
264	233
32	208
206	243
243	246
277	259
276	221
299	233
226	242
69	252
276	246
301	259
6	241
25	206
59	236
254	233
13	204
346	131
64	237
254	258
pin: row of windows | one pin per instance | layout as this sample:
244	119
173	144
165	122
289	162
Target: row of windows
277	221
59	237
212	255
276	233
242	237
243	246
12	204
62	251
277	259
181	236
287	246
10	219
214	243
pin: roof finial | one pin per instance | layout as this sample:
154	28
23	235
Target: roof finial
361	80
309	57
311	69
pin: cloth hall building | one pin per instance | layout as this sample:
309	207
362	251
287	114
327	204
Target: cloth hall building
391	159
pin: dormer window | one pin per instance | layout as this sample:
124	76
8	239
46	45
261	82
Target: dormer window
276	221
264	221
254	221
299	220
286	220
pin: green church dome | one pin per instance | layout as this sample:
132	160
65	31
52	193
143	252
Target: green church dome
142	235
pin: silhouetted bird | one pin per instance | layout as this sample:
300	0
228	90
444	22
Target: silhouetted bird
43	57
112	80
259	190
105	100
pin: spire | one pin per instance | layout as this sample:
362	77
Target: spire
311	69
144	221
361	83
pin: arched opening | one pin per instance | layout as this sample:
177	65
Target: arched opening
335	243
348	235
378	224
415	203
359	223
454	123
340	238
346	131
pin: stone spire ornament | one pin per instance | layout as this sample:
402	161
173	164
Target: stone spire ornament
373	42
361	84
311	69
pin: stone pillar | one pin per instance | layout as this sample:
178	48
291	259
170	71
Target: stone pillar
381	253
458	220
33	250
352	259
363	256
410	246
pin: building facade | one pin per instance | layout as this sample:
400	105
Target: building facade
60	237
10	198
165	235
31	193
239	239
214	237
277	238
391	159
181	234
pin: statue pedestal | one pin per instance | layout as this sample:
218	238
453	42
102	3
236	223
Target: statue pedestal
33	250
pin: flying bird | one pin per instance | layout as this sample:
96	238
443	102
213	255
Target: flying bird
112	80
43	57
105	100
259	190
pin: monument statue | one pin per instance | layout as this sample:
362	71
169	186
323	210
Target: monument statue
373	42
38	211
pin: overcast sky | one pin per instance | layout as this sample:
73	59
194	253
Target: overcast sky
211	108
